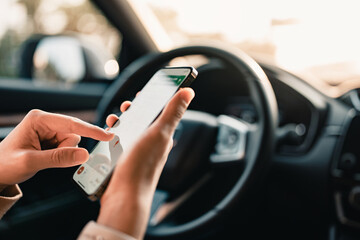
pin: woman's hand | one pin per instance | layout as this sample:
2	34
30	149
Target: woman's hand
44	140
126	203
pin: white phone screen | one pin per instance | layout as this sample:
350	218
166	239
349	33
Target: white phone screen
132	123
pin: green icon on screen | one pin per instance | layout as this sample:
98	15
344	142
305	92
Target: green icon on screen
177	79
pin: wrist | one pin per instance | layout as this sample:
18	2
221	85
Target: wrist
125	213
131	186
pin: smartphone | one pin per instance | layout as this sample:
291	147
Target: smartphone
92	176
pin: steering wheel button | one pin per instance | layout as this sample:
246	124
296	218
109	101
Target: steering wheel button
347	162
231	140
228	140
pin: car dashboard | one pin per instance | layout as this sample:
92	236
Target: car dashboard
312	188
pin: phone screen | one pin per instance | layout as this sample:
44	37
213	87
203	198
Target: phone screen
131	124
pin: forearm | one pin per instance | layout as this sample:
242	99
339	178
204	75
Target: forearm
128	210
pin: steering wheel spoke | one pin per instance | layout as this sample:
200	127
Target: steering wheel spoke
159	200
231	141
162	208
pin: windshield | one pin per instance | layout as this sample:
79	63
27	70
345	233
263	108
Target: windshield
316	39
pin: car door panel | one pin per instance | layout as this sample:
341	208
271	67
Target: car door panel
18	96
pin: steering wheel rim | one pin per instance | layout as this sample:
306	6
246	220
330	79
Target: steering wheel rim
265	104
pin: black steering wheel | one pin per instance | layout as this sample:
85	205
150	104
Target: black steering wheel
213	140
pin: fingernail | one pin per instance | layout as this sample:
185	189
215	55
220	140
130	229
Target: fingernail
80	155
109	133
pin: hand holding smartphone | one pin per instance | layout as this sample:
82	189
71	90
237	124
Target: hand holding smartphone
93	175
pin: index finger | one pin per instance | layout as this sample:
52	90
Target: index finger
65	124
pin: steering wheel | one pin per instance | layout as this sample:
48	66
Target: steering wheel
213	140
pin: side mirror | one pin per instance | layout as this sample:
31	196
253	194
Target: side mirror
65	59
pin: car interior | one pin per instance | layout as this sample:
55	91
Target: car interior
268	147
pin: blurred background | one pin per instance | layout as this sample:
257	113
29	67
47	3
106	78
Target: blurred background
23	19
316	39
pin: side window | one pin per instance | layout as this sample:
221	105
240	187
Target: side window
56	41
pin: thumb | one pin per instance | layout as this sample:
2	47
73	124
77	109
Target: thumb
59	157
174	110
